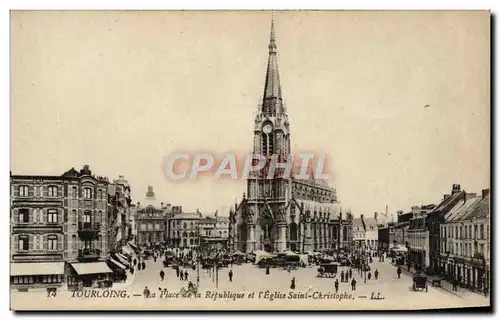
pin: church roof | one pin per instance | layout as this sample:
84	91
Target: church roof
272	100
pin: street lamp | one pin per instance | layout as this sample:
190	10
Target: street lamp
198	259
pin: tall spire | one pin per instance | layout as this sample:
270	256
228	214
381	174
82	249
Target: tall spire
272	101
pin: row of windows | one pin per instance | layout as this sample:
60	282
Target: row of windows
464	232
52	191
23	242
52	216
56	278
465	249
149	227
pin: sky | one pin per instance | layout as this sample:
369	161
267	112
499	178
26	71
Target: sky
120	91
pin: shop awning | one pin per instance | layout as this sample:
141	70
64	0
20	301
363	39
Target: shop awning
133	246
91	268
122	259
36	268
118	264
128	250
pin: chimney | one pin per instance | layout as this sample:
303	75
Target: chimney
375	215
138	204
468	196
161	205
485	193
455	189
386	210
446	196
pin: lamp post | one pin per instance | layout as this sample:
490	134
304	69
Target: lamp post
198	255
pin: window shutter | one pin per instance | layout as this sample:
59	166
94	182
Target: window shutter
30	242
65	190
59	242
15	243
45	191
15	213
31	191
59	216
16	190
44	216
45	242
65	215
60	191
31	218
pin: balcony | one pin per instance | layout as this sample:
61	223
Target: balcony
88	254
88	230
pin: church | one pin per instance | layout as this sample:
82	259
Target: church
284	213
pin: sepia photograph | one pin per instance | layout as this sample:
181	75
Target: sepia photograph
250	160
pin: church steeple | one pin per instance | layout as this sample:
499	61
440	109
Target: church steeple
272	100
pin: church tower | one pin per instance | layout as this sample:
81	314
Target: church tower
271	129
267	197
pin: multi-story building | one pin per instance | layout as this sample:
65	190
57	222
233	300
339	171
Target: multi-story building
119	202
184	229
401	228
150	220
371	231
418	238
58	229
435	219
465	245
358	233
386	236
214	231
282	213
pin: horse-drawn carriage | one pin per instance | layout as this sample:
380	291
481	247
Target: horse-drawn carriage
328	270
419	283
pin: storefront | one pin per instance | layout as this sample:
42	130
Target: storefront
25	276
91	274
119	270
122	259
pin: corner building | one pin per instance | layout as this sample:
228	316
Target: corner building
283	213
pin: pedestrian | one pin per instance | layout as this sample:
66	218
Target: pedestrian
399	272
353	284
376	274
336	285
342	276
154	258
177	271
231	275
135	262
162	275
146	292
369	275
350	273
181	275
455	287
292	284
267	270
186	275
143	265
125	277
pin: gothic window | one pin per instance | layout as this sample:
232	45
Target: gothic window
23	191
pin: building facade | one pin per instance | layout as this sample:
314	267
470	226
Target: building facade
283	213
358	233
150	220
465	242
58	225
184	229
119	213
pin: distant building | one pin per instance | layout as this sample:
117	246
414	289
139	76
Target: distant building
418	237
119	213
150	220
401	228
358	233
214	231
184	229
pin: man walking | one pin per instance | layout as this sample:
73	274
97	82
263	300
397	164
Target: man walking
186	275
336	285
230	275
399	272
342	276
350	273
162	275
353	284
376	274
